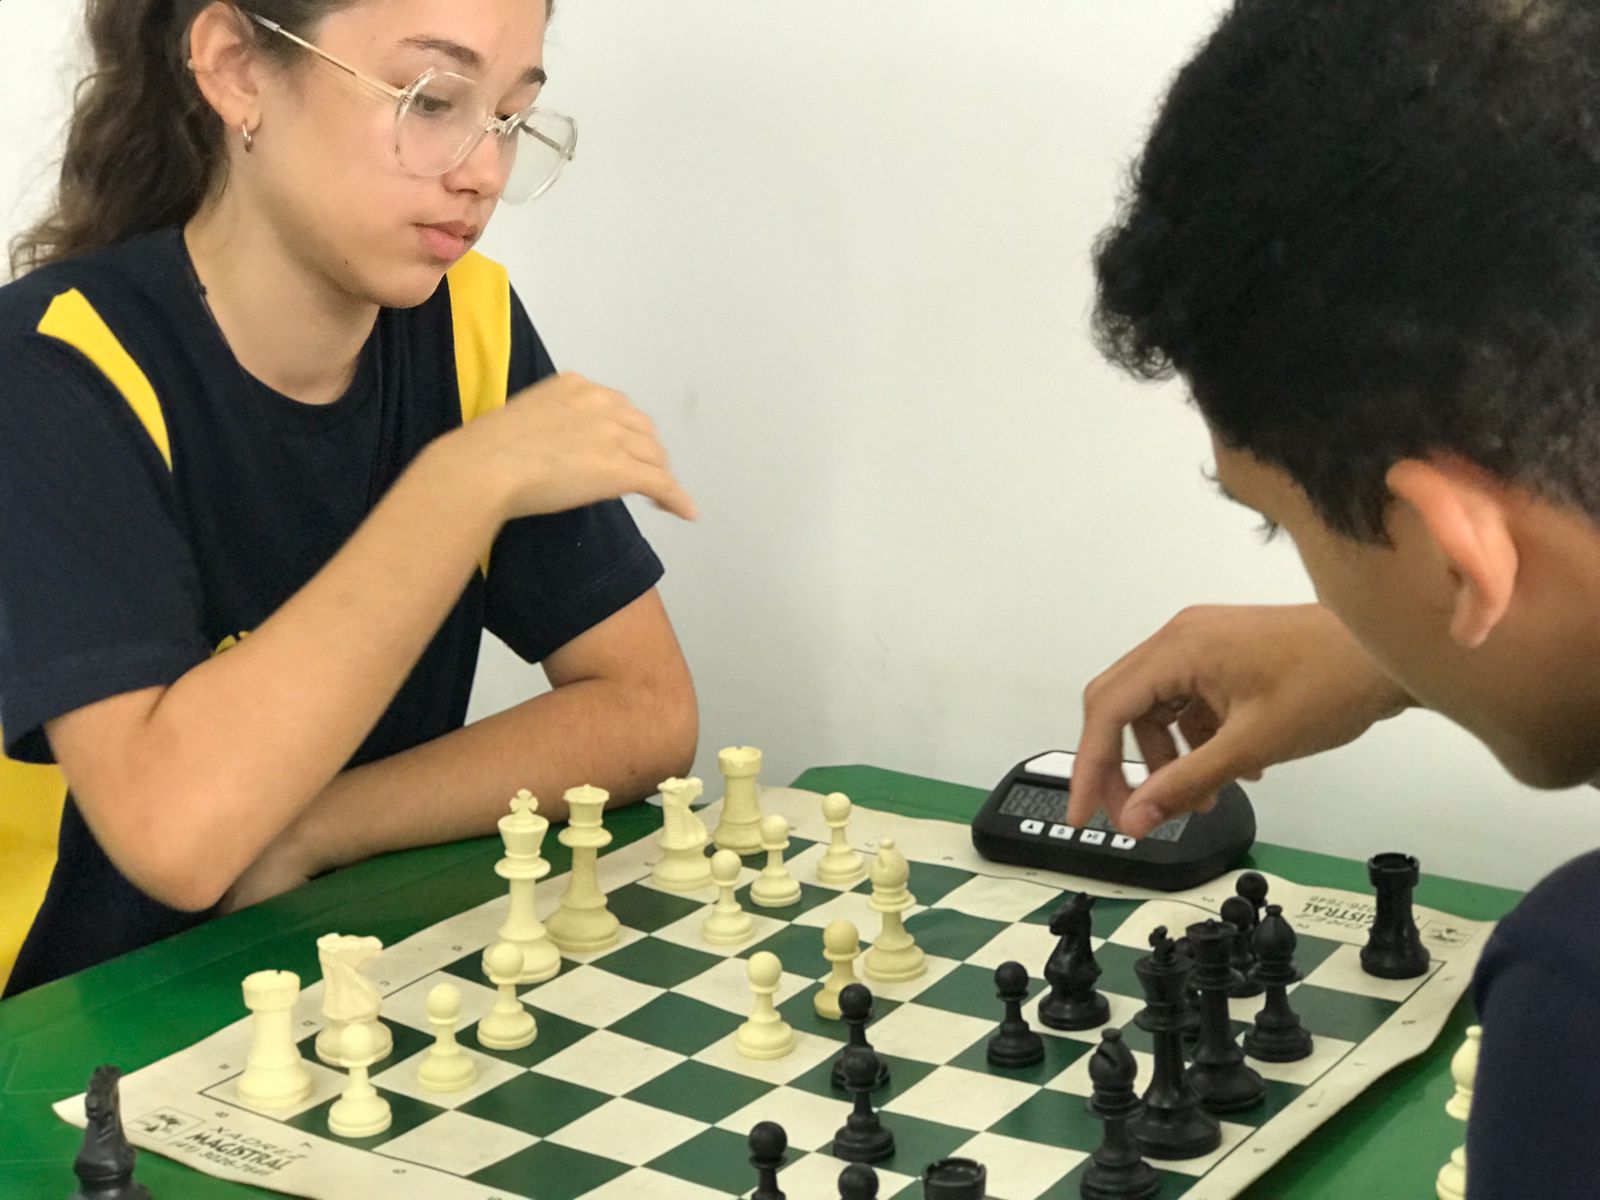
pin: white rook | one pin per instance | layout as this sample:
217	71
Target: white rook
275	1075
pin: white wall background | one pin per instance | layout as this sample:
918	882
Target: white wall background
840	252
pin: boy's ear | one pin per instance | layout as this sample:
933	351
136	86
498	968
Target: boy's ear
1463	512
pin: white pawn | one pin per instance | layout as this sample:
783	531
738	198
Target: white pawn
727	924
1464	1070
360	1112
1451	1183
275	1075
447	1067
775	887
842	864
766	1034
895	955
508	1025
841	946
684	866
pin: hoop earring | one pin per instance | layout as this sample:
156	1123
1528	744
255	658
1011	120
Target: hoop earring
249	138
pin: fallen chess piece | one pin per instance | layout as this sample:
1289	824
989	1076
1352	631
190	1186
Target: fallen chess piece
775	887
360	1112
275	1075
1394	947
766	1034
105	1162
727	924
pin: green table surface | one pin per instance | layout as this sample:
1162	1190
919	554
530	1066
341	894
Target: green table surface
146	1005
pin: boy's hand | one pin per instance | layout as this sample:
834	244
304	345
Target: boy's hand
1246	687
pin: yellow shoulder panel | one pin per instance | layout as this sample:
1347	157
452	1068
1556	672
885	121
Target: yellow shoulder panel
480	308
73	320
30	819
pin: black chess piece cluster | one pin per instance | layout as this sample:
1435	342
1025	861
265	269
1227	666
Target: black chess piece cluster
1187	984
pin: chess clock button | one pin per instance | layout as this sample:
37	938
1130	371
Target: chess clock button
1093	837
1122	841
1064	832
1032	826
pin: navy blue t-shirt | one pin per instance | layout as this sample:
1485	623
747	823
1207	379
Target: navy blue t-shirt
120	570
1534	1129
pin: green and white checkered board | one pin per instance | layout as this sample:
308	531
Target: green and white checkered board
633	1087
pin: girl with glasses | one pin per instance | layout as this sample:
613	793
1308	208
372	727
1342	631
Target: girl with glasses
277	445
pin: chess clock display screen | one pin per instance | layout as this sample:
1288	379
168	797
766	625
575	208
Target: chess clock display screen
1029	800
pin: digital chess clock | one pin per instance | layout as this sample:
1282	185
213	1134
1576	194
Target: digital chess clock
1024	821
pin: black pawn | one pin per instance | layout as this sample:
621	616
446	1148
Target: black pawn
1116	1171
1252	886
104	1165
1277	1035
955	1179
1073	1002
1394	948
858	1182
863	1138
855	1010
1172	1123
1237	911
1014	1044
767	1145
1219	1075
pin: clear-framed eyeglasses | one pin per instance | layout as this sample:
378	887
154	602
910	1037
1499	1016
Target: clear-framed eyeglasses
443	117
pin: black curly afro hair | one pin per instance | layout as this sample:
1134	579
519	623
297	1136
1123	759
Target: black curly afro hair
1366	230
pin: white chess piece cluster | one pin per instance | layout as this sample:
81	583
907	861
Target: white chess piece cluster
1451	1183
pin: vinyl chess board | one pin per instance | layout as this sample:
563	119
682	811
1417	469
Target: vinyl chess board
633	1087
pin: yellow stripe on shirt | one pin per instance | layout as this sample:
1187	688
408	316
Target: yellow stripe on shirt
480	310
73	320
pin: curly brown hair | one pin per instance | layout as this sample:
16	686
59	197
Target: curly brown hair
144	149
